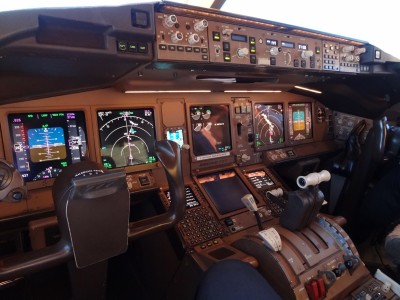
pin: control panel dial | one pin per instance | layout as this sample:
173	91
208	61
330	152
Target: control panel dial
242	52
201	25
176	37
170	21
307	54
193	38
274	51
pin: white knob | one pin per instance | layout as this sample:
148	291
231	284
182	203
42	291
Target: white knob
307	54
193	38
313	179
245	157
274	51
170	21
176	37
276	192
359	51
348	49
201	25
242	52
349	58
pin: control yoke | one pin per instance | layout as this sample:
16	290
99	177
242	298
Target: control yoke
83	190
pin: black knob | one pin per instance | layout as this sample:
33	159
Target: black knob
17	196
349	264
338	272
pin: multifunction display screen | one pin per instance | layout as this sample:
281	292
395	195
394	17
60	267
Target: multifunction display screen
268	125
300	121
126	137
45	143
210	130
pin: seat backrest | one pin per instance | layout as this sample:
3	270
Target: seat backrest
371	156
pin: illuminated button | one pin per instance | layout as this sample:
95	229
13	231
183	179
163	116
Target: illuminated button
204	57
171	48
317	50
196	50
188	49
162	47
204	50
252	49
216	36
180	48
132	47
122	46
227	56
252	40
142	48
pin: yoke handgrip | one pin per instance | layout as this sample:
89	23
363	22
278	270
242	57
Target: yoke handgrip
170	157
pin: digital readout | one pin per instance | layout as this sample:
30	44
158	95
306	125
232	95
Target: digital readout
288	45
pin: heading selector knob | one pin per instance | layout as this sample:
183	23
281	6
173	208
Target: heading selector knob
201	25
359	51
176	37
307	54
170	21
193	38
242	52
274	51
351	58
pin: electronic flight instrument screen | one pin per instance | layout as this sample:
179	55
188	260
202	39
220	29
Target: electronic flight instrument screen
300	121
45	143
210	129
225	190
126	137
268	125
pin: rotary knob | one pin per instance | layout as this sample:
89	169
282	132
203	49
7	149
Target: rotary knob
347	49
307	54
274	51
193	38
242	52
359	51
176	37
351	58
201	25
170	21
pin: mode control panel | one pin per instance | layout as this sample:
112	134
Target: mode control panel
251	46
181	38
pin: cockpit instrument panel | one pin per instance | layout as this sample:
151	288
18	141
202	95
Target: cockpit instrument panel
126	137
45	143
268	125
300	121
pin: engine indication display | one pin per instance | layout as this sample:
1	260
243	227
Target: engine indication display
126	137
45	143
269	125
300	121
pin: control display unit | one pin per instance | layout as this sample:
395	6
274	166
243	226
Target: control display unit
268	125
45	143
126	137
225	190
300	121
210	130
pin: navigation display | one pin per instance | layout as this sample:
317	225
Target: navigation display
268	125
225	190
210	129
45	143
300	121
126	137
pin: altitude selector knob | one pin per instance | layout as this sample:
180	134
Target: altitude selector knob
176	37
242	52
307	54
274	51
193	38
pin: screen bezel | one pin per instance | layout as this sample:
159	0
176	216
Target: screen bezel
224	157
284	123
307	140
128	169
5	129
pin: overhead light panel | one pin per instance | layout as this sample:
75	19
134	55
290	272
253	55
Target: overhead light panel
307	89
252	91
168	91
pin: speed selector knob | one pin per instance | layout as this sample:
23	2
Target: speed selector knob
176	37
349	58
274	51
348	49
170	21
307	54
201	25
242	52
193	38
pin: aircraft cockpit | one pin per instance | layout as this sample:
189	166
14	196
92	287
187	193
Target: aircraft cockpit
143	144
